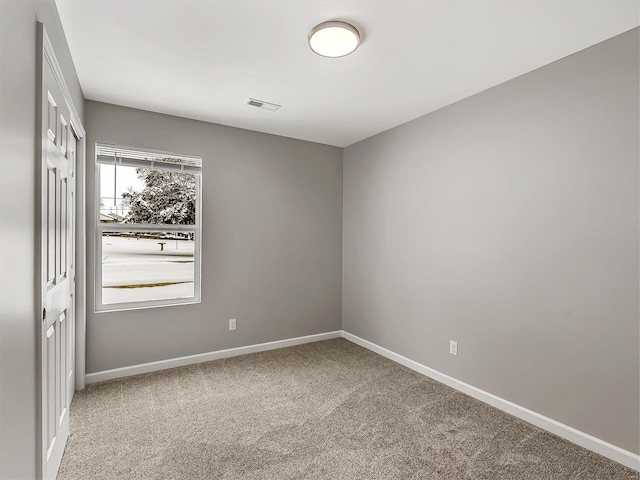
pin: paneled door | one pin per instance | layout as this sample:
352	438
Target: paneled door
57	264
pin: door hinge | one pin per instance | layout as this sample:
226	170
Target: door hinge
44	313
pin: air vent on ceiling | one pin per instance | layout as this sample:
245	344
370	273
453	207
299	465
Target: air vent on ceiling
262	104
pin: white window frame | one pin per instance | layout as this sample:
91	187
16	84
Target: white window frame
122	157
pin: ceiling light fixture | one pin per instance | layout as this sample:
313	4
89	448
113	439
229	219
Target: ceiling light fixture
334	39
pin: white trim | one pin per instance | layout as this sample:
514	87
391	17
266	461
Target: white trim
98	228
46	56
81	263
205	357
585	440
617	454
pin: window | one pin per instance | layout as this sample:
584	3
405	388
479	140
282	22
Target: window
147	229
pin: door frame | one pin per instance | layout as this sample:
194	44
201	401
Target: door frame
45	55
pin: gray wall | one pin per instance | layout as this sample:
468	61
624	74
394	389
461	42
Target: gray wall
272	241
509	222
17	217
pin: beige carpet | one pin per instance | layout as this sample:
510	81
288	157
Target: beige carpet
326	410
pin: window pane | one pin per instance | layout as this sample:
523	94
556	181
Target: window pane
147	266
146	196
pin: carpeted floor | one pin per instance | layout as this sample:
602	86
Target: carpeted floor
325	410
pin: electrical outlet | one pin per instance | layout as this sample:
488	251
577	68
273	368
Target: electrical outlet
453	347
232	324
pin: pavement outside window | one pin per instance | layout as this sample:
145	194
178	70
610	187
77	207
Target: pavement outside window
147	266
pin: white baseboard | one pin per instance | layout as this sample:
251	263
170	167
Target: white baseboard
585	440
617	454
204	357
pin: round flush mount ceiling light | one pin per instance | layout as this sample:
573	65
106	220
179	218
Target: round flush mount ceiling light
334	39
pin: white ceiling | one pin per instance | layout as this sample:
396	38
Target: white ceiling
203	59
